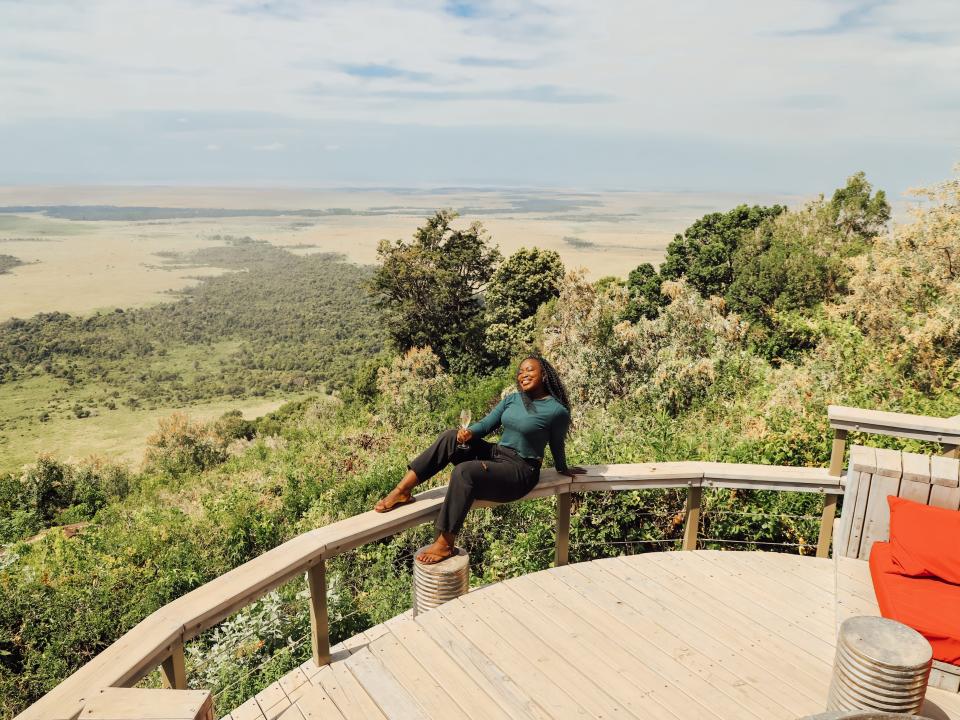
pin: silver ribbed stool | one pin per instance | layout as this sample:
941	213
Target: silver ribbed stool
880	665
435	584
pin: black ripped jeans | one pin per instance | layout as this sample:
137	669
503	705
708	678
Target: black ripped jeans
482	471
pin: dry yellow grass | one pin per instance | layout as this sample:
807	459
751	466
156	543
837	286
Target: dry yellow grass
115	434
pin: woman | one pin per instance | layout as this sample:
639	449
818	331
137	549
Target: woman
539	413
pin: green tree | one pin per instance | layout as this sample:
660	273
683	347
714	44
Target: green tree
526	280
704	252
799	259
645	297
858	214
430	289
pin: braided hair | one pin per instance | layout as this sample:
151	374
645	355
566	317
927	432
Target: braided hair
551	382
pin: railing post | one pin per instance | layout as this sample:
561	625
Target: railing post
563	530
319	623
826	525
173	670
836	452
691	521
830	501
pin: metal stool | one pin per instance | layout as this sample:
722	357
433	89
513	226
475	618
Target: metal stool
880	665
436	583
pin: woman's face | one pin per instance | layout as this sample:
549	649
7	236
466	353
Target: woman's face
530	376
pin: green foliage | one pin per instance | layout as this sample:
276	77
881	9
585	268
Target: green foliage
363	384
50	492
180	446
646	297
857	214
691	383
522	283
800	260
704	252
430	290
232	426
414	387
294	322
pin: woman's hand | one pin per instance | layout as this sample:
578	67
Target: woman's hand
571	471
464	436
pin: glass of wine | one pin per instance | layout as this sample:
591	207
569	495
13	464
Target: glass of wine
464	422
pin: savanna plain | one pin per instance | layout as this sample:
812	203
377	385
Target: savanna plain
92	250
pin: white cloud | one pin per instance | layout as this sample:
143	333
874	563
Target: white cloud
212	148
785	72
331	148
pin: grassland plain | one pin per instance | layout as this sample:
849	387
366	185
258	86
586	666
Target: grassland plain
70	259
95	264
273	328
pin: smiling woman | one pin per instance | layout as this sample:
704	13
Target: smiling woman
538	414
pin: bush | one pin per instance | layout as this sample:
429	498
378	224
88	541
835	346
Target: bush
51	492
232	426
704	253
690	350
646	299
180	446
413	387
430	290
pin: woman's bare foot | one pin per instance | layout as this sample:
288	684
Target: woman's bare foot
400	495
440	550
394	498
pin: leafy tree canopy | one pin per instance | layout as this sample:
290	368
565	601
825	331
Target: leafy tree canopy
856	212
646	299
703	253
522	283
430	289
799	259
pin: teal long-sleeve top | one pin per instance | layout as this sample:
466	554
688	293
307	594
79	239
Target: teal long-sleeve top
529	432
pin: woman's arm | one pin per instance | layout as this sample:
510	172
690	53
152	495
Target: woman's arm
484	427
558	434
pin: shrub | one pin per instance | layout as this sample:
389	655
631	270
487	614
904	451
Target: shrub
51	492
414	385
646	299
906	297
703	253
693	348
232	426
180	446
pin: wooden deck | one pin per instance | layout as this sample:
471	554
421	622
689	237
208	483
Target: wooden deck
671	635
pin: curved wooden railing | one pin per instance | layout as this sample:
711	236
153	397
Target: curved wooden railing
158	640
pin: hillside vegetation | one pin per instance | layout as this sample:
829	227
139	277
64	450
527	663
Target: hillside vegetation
681	362
278	324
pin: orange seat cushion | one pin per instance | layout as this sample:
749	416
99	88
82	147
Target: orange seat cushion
929	606
925	540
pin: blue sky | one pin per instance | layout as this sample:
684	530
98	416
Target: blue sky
751	95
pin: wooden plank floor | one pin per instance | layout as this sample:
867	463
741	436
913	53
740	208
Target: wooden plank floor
672	635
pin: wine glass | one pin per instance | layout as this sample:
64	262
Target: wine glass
464	421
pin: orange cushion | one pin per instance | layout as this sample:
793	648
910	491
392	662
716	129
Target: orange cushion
925	540
929	606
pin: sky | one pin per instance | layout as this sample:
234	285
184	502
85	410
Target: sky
752	95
